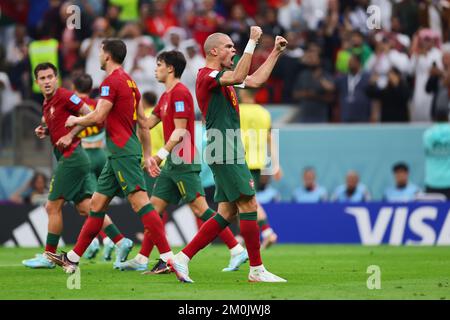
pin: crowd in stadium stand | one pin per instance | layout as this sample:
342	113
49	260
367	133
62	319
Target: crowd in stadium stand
342	64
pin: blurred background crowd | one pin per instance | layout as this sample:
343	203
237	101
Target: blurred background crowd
338	66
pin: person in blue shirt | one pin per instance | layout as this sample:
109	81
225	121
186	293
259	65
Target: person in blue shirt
403	191
310	191
352	190
436	142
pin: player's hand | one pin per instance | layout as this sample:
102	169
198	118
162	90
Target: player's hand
280	43
64	141
255	33
41	132
152	166
71	121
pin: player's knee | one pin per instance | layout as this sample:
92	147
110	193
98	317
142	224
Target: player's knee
51	209
251	205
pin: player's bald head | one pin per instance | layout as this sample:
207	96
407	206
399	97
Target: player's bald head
214	41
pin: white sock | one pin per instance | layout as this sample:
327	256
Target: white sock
267	233
257	268
182	258
237	249
141	258
73	256
107	241
166	256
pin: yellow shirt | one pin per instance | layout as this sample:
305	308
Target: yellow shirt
156	134
255	126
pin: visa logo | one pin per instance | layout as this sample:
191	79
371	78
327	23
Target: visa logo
418	222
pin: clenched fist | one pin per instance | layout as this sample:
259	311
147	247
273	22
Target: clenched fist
280	43
255	33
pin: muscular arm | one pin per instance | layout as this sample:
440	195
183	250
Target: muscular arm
78	128
260	76
144	131
95	117
238	75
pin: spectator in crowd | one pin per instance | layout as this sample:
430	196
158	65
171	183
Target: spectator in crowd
403	190
310	191
129	9
271	25
158	17
173	38
385	58
203	21
144	66
112	15
267	193
357	16
313	89
313	11
424	54
289	66
393	98
35	192
438	83
237	26
355	105
352	44
289	15
352	190
407	12
90	49
436	142
194	61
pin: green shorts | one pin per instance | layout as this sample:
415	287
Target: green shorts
72	180
232	181
173	186
121	177
97	156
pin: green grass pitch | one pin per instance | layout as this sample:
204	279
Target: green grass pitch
312	271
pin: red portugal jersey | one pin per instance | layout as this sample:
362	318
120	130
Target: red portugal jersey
56	110
119	89
178	104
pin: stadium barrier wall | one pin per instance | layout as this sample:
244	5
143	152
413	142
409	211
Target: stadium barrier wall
332	150
328	223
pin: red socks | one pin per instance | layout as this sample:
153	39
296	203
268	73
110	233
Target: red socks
91	228
207	233
153	223
250	233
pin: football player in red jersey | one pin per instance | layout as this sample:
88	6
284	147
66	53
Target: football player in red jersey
71	179
120	110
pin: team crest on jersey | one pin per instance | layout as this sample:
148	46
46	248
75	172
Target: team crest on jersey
75	99
105	91
179	106
52	110
164	108
252	183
